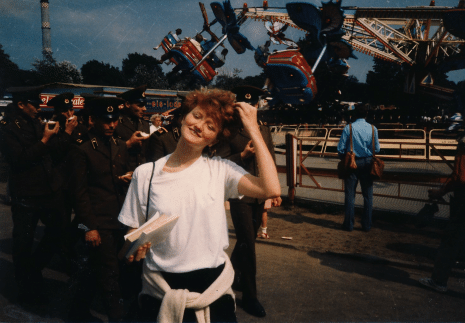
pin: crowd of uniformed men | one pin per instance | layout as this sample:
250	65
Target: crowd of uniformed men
72	173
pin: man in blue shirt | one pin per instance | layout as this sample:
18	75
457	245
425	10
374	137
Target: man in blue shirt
363	148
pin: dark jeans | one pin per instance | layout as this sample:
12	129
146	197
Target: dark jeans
246	218
26	213
103	272
222	310
452	242
362	174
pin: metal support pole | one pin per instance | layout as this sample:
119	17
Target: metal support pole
319	58
210	51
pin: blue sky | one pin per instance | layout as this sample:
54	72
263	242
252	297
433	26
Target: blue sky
108	30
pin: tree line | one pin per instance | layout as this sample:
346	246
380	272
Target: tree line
384	84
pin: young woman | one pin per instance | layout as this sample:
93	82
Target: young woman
190	270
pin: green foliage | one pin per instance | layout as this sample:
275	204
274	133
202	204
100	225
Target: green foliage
385	83
50	71
141	69
180	82
153	77
354	91
257	80
135	60
99	73
227	81
8	71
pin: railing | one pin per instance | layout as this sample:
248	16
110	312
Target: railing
405	144
304	162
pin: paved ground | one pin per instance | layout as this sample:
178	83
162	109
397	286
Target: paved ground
313	277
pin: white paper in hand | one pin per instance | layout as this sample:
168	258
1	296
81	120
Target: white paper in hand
156	230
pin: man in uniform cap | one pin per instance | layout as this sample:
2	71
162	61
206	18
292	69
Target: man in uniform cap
132	127
62	105
84	114
100	180
246	213
64	114
35	187
453	238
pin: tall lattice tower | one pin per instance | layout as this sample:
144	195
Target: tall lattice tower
46	36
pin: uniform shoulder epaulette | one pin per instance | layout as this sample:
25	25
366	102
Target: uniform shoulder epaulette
176	133
161	131
17	124
94	143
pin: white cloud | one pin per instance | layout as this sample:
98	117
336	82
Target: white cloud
21	9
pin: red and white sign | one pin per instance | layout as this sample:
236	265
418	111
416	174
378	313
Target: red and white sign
78	101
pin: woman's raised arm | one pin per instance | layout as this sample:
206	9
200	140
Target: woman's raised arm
267	184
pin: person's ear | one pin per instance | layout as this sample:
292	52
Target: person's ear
126	104
22	105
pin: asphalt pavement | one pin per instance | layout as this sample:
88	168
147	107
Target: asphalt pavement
295	284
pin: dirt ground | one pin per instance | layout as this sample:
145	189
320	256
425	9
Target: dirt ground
317	228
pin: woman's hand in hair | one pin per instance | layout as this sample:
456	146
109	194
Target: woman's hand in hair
248	116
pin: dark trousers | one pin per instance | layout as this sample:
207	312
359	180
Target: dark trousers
452	242
362	174
26	213
246	218
222	310
103	272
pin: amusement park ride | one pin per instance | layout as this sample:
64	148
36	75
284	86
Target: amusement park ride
423	40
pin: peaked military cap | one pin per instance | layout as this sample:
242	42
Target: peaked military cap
135	95
62	102
30	94
106	107
88	97
249	94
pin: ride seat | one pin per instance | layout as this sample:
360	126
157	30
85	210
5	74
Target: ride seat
292	78
188	55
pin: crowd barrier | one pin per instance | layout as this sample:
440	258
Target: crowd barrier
413	144
416	160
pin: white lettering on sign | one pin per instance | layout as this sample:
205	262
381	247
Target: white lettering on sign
78	101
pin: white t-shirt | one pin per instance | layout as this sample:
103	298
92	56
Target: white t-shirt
197	194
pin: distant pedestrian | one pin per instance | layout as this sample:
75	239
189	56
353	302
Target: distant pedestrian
35	184
246	213
453	240
132	127
165	140
155	123
362	133
262	233
101	176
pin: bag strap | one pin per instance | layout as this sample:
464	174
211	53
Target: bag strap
148	194
351	142
373	139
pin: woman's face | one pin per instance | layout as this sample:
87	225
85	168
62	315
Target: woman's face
198	129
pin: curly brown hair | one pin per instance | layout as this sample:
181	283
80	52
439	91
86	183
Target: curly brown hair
219	105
